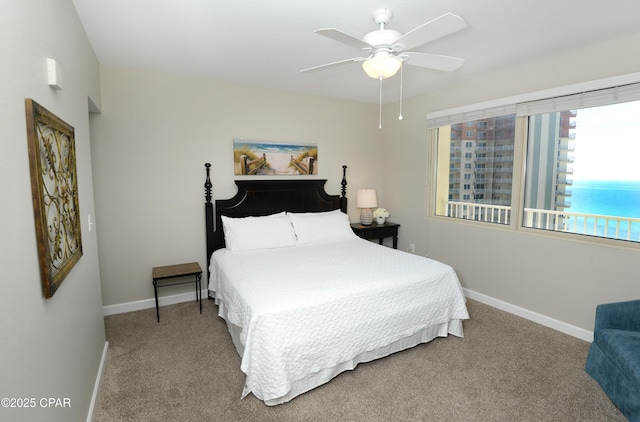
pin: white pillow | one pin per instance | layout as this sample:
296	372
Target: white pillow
318	213
253	233
319	227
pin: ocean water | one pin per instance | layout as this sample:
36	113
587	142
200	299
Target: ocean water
606	197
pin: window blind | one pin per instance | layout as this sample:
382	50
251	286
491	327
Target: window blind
595	98
470	115
612	90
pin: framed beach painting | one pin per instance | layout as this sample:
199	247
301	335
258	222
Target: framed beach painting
265	158
54	188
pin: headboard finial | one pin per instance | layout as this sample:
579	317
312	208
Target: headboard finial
344	181
207	184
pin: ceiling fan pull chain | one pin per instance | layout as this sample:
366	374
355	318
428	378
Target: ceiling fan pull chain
400	116
380	112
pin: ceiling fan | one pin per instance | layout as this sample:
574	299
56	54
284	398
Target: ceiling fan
388	49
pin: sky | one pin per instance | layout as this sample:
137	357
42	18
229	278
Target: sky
608	142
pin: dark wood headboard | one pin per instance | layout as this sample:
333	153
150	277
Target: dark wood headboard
263	197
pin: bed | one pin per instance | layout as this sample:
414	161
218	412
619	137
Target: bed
305	299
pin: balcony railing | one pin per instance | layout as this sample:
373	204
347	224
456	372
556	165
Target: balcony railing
623	228
563	192
491	191
564	168
566	158
505	148
479	212
567	147
563	203
612	227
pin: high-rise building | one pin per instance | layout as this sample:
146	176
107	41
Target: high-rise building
481	160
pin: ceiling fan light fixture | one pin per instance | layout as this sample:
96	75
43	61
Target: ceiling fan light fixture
382	66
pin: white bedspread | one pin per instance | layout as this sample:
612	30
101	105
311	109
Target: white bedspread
302	309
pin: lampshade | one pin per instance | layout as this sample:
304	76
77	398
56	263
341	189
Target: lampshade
366	198
382	65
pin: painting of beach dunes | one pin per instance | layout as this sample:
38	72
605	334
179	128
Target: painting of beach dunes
265	158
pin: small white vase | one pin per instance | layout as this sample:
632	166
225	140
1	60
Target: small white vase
380	220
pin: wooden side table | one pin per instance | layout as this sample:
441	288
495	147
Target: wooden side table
377	231
160	274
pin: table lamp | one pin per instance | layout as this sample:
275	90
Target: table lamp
366	199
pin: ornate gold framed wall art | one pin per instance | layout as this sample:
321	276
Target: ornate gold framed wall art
54	187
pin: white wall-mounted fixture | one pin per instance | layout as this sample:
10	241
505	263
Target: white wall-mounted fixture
54	75
366	199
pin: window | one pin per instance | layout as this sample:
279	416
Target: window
578	176
582	175
486	203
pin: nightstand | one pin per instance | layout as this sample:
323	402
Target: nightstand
377	231
159	274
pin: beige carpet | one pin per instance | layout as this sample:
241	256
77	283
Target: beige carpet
505	369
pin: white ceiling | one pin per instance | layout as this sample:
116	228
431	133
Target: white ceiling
267	43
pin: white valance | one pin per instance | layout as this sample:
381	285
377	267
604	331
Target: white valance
600	97
613	90
471	115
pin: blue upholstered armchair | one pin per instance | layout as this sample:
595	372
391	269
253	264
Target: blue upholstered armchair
614	356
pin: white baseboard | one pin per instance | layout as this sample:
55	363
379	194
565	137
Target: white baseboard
91	416
563	327
138	305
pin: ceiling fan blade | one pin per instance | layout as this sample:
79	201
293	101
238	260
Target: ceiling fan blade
334	64
432	61
342	37
432	30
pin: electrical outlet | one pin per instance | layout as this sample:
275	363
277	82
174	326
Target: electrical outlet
412	248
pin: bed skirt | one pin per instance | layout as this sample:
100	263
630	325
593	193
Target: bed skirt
317	379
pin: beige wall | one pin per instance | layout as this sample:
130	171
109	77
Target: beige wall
156	130
147	150
558	278
151	141
49	347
